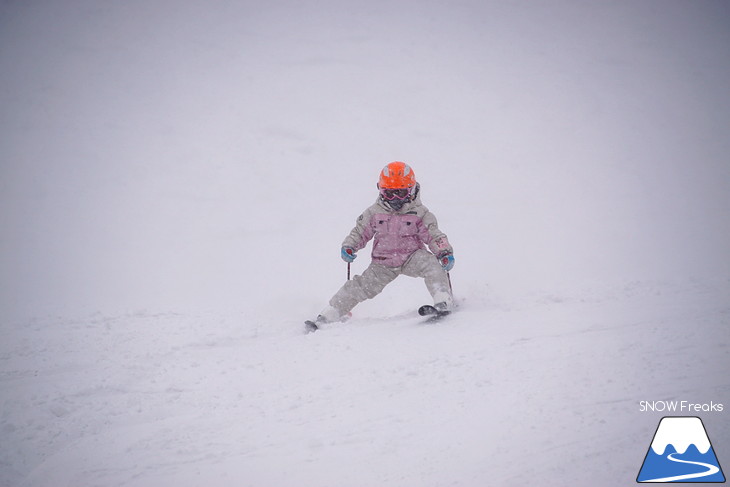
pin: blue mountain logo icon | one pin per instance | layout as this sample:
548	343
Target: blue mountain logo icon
681	452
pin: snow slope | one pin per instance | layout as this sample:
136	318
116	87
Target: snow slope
176	179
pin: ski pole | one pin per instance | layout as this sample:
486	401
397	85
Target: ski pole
351	253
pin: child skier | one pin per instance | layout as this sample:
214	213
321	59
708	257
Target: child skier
403	230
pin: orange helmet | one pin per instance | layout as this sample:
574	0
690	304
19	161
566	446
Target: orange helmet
397	175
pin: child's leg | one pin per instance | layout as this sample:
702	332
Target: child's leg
366	286
424	264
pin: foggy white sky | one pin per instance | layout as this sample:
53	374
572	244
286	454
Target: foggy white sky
160	154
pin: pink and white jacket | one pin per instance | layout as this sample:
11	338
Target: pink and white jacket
397	233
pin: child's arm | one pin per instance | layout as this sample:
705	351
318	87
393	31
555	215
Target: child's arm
361	234
436	240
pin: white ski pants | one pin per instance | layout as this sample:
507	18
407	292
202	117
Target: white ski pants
421	263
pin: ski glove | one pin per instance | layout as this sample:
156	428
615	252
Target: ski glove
348	254
446	261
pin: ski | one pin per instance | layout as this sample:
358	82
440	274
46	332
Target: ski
433	313
430	312
310	326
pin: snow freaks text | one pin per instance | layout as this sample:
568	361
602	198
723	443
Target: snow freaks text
679	407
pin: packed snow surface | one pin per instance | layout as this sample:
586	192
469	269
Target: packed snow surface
176	179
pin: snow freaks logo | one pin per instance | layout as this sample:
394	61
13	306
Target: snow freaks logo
680	452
